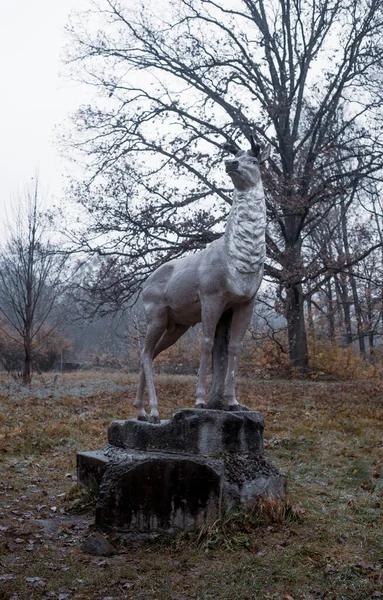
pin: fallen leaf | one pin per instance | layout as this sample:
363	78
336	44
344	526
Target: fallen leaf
127	585
11	547
36	581
365	566
101	562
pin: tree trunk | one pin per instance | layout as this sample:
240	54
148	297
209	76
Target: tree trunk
296	327
27	369
370	318
377	213
310	317
357	307
344	301
358	316
330	312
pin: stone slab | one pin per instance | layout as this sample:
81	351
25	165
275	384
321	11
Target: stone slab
193	431
91	467
157	492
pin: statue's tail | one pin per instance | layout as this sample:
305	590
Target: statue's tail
219	361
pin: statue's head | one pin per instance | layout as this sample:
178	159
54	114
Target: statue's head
244	169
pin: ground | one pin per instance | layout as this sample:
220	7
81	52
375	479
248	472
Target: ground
326	436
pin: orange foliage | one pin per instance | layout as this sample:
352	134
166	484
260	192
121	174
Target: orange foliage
47	347
265	358
332	360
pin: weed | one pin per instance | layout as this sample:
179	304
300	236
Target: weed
82	499
238	527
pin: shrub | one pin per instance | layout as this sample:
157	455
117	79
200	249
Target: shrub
47	347
330	359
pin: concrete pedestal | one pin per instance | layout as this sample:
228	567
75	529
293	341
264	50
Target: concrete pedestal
180	473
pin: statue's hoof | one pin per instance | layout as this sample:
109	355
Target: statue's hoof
154	419
142	418
200	405
239	407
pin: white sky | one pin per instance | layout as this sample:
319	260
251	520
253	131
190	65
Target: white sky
34	98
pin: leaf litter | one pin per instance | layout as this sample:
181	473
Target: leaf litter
325	435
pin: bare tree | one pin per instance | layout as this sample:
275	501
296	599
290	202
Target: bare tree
31	274
304	76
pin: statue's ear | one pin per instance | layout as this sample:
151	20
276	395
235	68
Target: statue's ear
265	154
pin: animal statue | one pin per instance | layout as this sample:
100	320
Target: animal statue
204	286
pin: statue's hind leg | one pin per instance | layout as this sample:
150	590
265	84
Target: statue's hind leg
169	337
156	329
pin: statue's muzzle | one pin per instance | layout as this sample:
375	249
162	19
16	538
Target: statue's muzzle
232	165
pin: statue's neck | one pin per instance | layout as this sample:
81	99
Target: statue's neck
245	230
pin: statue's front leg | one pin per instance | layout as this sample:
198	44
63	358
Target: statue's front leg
202	373
242	314
139	401
219	361
210	318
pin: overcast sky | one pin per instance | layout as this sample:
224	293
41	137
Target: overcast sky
35	99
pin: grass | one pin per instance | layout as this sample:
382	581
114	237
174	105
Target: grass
326	436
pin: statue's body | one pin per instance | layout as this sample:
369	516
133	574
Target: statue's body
203	286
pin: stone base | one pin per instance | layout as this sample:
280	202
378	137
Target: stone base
179	474
193	431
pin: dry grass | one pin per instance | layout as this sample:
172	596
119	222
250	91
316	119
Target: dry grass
326	436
